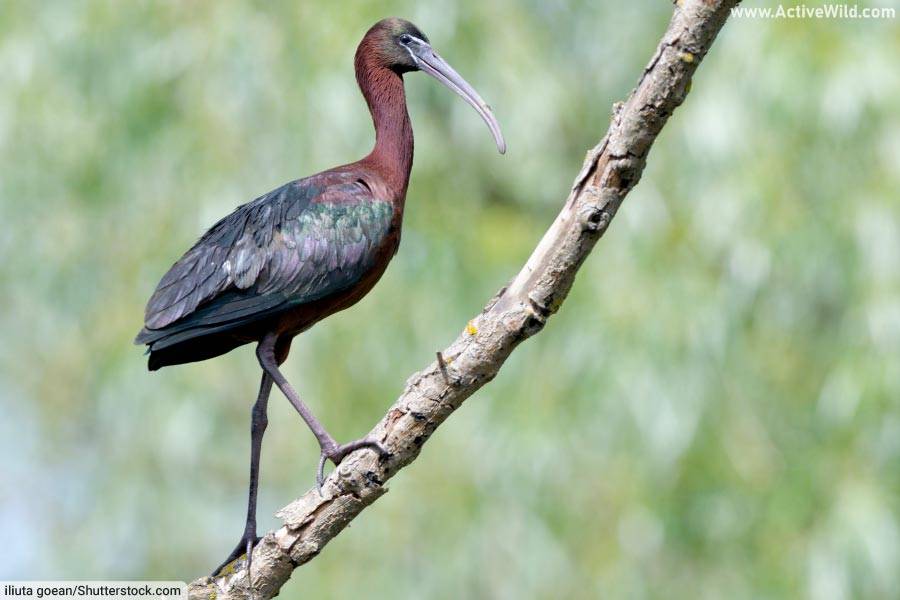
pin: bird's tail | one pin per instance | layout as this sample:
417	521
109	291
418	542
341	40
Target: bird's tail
185	346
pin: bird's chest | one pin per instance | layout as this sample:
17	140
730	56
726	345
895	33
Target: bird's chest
380	252
345	258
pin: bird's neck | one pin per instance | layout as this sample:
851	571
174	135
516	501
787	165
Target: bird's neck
393	152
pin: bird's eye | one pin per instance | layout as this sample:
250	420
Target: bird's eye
405	38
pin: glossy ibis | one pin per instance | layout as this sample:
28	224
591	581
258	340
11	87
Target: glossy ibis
279	264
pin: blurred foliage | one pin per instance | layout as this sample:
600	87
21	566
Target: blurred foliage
715	412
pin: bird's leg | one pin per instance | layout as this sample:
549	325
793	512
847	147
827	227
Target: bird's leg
331	450
258	422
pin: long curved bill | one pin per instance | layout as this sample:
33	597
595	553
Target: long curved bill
432	63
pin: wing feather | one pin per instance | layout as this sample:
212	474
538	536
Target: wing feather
301	242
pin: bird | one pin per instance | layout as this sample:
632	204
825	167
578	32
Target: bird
279	264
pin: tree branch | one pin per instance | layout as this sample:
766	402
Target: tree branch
516	313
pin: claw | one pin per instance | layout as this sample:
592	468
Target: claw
244	547
250	544
337	453
382	451
320	473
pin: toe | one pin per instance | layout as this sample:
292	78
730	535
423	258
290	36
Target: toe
380	448
320	473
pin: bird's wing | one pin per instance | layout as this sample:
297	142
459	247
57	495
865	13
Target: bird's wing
301	242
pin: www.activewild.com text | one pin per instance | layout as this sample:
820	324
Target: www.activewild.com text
802	11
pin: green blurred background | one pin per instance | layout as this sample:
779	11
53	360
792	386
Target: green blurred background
715	412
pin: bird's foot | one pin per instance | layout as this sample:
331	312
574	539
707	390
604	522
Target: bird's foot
245	546
336	453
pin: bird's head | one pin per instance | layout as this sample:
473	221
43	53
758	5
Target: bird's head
400	46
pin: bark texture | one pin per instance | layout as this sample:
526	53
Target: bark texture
516	313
